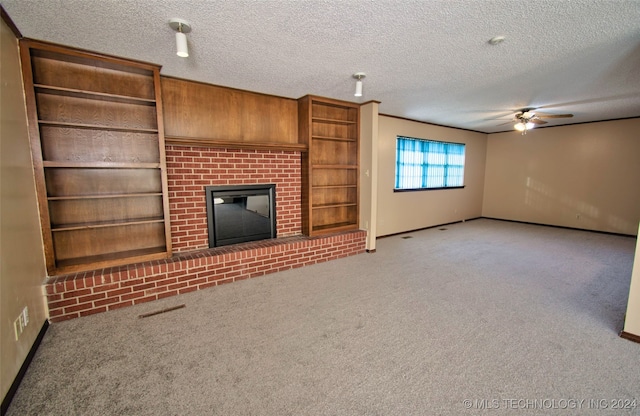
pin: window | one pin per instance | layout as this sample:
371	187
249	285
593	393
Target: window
427	164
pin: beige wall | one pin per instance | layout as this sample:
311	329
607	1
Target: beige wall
632	318
369	171
584	176
406	211
22	268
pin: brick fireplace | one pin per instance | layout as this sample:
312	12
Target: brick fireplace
193	265
190	169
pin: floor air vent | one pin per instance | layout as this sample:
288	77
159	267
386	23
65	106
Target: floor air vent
406	237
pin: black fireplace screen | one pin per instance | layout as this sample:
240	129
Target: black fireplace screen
240	213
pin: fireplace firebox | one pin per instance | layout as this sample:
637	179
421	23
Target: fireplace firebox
240	213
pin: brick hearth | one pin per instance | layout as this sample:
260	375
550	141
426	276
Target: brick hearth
194	266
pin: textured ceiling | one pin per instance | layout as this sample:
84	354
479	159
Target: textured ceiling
426	60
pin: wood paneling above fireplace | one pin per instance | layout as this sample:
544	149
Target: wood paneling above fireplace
199	114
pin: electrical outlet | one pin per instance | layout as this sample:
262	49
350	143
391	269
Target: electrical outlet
23	323
17	328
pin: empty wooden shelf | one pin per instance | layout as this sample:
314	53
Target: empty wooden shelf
330	129
98	152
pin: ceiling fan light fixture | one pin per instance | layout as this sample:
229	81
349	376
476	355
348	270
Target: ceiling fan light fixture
524	125
526	119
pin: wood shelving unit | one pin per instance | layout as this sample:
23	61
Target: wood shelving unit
98	150
330	129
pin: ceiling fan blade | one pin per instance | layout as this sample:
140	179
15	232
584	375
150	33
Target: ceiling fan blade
537	121
545	115
508	122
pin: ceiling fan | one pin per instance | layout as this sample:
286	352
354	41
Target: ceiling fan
527	118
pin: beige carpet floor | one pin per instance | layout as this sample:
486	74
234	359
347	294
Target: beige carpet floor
482	317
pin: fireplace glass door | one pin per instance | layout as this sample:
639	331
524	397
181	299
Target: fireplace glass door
238	214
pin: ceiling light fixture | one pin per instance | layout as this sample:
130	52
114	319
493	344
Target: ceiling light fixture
181	27
523	125
496	40
359	76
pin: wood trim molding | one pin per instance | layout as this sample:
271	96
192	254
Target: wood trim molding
331	100
561	226
227	144
430	124
7	19
630	337
100	58
426	228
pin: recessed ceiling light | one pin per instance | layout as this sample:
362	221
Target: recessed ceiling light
496	40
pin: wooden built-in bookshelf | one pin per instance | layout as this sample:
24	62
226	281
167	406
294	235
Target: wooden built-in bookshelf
330	129
97	142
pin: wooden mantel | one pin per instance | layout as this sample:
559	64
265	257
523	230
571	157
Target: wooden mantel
229	144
